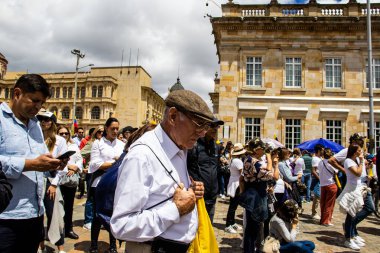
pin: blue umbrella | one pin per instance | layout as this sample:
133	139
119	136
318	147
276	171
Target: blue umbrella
309	145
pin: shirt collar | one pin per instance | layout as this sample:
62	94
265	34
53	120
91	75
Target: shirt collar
171	149
5	107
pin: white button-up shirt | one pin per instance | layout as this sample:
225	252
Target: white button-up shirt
142	183
104	151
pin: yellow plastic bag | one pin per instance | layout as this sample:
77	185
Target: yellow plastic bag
204	241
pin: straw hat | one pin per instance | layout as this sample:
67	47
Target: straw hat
238	149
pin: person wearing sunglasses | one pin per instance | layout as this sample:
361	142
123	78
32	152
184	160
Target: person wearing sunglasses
74	166
56	146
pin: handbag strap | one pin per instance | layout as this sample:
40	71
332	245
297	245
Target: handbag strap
332	173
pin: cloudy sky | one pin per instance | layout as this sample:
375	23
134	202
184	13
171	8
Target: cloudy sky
38	35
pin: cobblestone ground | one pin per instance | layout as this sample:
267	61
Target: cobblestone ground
327	239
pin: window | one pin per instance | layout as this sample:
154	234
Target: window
70	92
57	91
293	69
100	91
333	73
64	92
254	71
94	89
79	113
66	113
111	92
334	131
11	95
292	132
376	73
54	110
6	93
83	92
78	92
95	112
252	128
52	92
377	135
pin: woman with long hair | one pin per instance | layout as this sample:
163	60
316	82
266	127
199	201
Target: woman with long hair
253	189
236	168
56	146
74	167
97	134
328	188
104	153
351	200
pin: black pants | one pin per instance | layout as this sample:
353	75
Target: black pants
21	235
49	206
68	194
234	202
210	207
96	224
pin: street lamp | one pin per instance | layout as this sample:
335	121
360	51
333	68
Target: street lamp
79	56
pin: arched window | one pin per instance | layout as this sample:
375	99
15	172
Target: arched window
83	92
52	91
100	91
64	92
78	92
70	92
57	91
54	110
95	112
79	113
66	113
94	89
6	93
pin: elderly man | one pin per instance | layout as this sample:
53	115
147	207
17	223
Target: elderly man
154	206
24	157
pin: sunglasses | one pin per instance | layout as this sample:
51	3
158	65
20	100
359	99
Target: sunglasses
46	119
99	132
64	133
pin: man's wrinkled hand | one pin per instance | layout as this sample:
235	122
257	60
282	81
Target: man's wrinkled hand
184	200
198	188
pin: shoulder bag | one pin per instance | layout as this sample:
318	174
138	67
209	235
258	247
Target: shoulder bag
335	177
70	181
270	245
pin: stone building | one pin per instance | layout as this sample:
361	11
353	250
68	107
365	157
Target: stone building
295	72
122	92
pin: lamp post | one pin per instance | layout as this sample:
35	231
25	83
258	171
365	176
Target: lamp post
370	81
79	56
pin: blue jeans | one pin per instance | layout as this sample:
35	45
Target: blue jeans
251	232
297	246
221	183
351	222
88	214
306	179
315	187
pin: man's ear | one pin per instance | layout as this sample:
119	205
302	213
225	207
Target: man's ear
17	92
173	115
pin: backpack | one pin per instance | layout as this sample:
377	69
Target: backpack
105	193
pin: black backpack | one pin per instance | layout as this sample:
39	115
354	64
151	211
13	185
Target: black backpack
5	191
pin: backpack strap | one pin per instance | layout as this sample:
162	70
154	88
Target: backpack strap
167	170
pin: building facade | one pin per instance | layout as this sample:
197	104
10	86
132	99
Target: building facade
122	92
295	72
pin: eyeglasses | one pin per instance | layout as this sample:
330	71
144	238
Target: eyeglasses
99	132
64	133
80	132
204	126
46	119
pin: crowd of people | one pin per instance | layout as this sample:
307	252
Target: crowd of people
162	170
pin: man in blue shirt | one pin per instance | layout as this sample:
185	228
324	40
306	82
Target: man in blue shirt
24	158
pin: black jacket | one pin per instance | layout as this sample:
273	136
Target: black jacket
5	191
202	164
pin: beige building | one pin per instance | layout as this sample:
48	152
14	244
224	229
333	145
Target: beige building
125	93
295	72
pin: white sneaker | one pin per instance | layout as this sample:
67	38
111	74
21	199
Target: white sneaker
42	250
230	230
351	244
359	238
237	227
328	225
61	251
358	242
87	226
316	217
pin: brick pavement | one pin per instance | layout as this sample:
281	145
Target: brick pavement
327	239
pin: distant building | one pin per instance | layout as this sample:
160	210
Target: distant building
295	72
122	92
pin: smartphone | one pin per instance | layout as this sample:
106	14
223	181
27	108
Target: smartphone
66	155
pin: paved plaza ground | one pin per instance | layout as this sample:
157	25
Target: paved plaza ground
327	239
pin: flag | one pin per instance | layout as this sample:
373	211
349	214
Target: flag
74	127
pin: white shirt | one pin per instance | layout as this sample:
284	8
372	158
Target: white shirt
236	168
351	178
315	162
341	156
300	166
325	177
60	147
142	183
102	151
75	158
